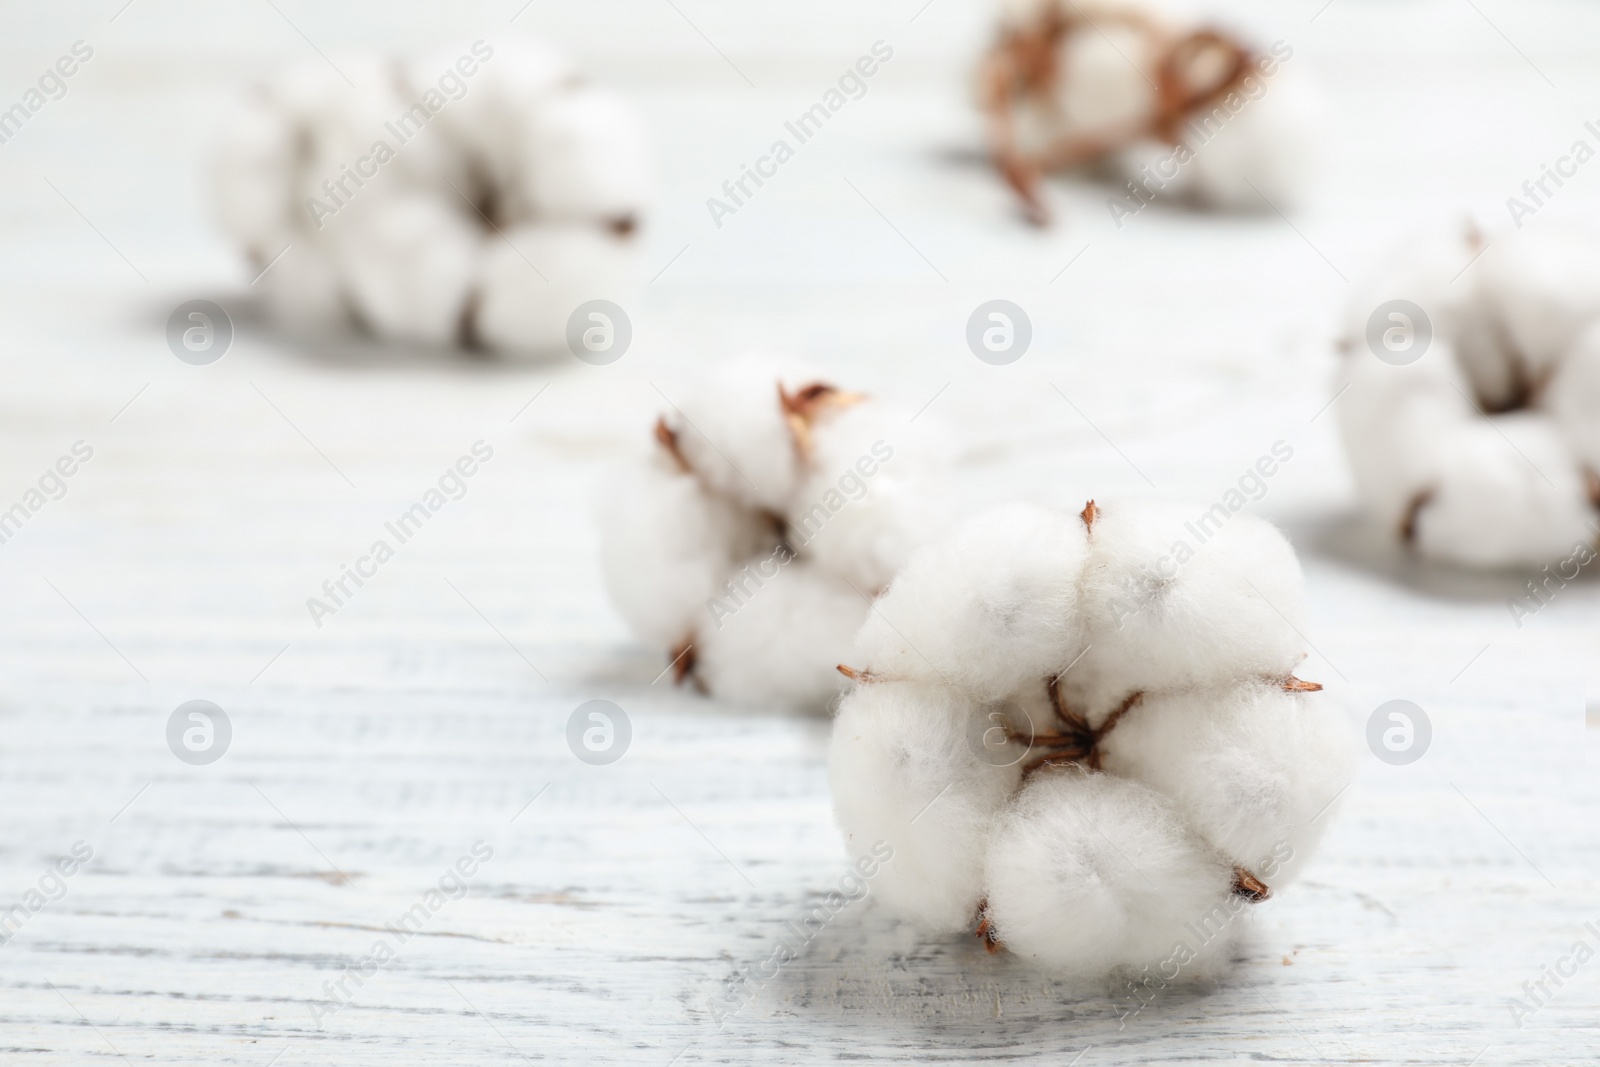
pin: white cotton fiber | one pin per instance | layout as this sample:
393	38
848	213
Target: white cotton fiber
904	769
1090	876
994	603
1180	597
1131	668
669	545
784	639
476	197
771	510
1480	451
1255	769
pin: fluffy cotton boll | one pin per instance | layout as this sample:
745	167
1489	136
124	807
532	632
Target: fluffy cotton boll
1255	770
1574	399
905	770
776	633
1268	149
993	604
1089	876
534	277
1508	493
666	547
408	261
586	158
1174	597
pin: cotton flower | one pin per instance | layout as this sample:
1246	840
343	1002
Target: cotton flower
1084	737
1170	110
476	197
1469	413
749	541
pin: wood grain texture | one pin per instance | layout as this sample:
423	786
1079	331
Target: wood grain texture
430	713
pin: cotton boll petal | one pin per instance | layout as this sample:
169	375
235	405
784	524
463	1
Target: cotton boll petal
409	262
734	434
1545	286
789	627
1175	597
1574	398
864	504
903	771
534	277
1264	156
250	176
1254	769
1508	492
666	547
586	158
994	603
1089	875
1398	422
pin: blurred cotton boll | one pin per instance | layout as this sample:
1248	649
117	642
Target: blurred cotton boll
475	197
1167	107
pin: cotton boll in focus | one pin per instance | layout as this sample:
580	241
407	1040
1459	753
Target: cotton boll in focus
1254	769
533	278
1090	875
903	770
994	603
666	546
778	634
1175	597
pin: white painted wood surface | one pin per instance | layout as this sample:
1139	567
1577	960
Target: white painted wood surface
369	754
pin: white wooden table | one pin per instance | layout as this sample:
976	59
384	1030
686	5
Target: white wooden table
222	902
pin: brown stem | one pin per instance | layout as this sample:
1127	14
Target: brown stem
683	657
667	438
855	675
985	930
1300	685
1249	886
1089	513
1413	515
